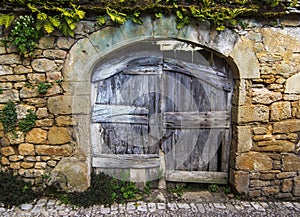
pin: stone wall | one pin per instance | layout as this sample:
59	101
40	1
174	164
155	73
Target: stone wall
267	162
265	159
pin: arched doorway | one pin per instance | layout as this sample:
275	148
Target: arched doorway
162	100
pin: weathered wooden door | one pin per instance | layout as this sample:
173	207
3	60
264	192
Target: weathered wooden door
147	104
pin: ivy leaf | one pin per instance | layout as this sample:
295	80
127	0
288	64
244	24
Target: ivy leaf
158	15
48	27
70	23
115	16
137	20
33	8
42	16
179	15
101	20
80	13
55	21
6	19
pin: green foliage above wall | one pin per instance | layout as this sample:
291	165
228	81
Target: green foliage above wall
63	15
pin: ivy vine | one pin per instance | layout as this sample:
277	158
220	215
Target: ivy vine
63	15
8	117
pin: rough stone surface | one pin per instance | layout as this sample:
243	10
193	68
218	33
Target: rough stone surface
286	126
240	181
43	65
58	135
254	161
244	138
265	96
70	174
36	136
253	113
291	162
281	111
47	150
26	149
293	84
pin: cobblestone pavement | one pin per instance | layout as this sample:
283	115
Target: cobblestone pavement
49	207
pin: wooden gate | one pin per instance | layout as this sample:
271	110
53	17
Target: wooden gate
146	104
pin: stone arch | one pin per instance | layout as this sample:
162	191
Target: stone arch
86	53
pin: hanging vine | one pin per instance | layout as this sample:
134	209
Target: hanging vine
63	15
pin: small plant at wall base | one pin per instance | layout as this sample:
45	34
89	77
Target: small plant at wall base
14	191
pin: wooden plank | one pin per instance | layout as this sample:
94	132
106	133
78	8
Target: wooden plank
203	73
126	161
197	176
119	114
142	70
190	120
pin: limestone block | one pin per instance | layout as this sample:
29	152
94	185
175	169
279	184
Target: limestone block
245	59
244	138
42	113
296	189
15	139
253	113
71	174
22	110
8	151
28	92
46	42
286	126
26	149
65	121
40	165
54	76
36	136
60	105
240	181
287	185
63	105
4	161
271	190
14	158
65	42
13	78
10	59
254	161
6	85
264	96
50	150
6	70
31	173
276	146
43	65
279	40
15	165
58	135
281	111
259	183
291	162
44	123
55	54
293	84
27	165
8	95
53	90
36	78
20	69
